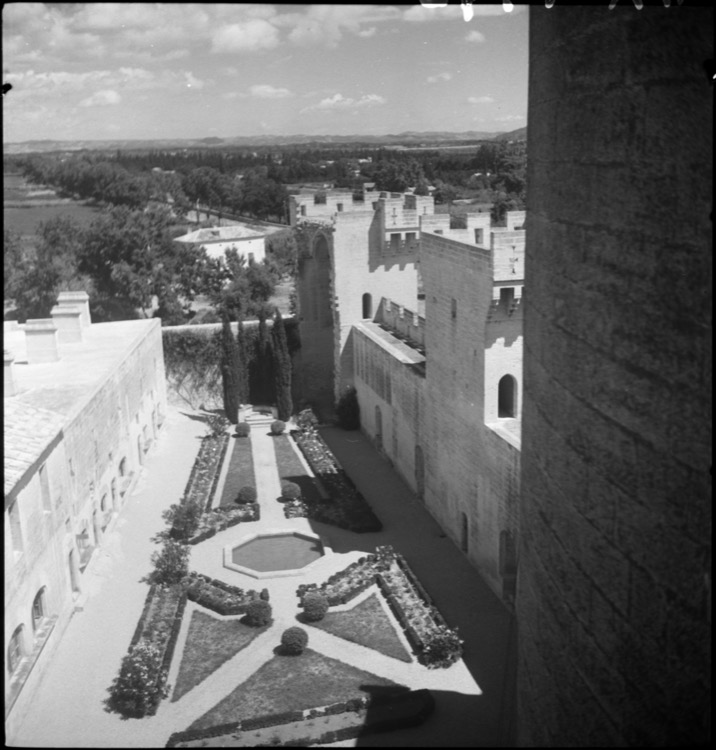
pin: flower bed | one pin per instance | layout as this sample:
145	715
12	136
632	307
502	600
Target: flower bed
220	597
345	585
142	680
434	643
205	471
223	518
347	508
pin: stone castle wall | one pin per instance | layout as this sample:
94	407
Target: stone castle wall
83	470
613	599
472	473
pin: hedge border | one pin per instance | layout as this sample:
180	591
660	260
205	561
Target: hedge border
422	696
220	609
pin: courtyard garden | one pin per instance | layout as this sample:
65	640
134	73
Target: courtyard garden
236	669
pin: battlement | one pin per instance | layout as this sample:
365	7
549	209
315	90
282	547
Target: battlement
403	323
324	205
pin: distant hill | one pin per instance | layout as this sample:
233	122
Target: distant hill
514	135
408	139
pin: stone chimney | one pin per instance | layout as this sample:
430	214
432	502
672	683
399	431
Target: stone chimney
68	321
41	341
76	299
8	374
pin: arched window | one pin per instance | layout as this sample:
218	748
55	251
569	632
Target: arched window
123	467
38	608
367	305
507	397
15	650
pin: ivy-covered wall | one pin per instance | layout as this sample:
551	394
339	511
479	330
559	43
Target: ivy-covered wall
192	362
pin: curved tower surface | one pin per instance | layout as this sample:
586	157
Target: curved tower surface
613	594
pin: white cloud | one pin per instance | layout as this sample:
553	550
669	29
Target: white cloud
475	36
249	36
265	91
339	102
480	99
104	98
451	12
510	118
192	82
325	24
439	77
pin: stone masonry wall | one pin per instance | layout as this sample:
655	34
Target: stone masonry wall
470	470
613	599
383	381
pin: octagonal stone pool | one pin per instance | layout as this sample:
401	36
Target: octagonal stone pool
271	554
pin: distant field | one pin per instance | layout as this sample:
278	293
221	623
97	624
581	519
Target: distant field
26	210
24	221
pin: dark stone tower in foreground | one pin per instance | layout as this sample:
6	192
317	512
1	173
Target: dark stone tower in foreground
613	599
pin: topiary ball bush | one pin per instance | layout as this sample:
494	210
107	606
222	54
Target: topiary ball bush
258	613
277	427
290	491
293	641
315	606
243	429
246	495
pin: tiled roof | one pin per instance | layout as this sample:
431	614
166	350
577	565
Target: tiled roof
28	431
226	234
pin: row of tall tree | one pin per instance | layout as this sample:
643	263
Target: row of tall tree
273	367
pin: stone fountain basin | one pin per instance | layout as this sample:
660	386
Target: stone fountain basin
275	553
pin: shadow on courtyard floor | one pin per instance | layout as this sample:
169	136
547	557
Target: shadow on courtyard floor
463	598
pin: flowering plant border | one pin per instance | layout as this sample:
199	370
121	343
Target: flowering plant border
434	643
218	596
347	508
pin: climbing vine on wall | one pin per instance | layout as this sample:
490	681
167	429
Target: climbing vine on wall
192	362
306	231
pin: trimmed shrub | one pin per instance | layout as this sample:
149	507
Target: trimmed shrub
293	641
315	606
277	427
348	409
246	495
258	613
264	594
243	429
171	564
290	491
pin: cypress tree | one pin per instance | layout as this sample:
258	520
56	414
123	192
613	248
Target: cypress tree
263	390
229	367
282	368
242	365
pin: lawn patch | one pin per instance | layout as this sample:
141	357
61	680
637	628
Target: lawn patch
292	683
240	472
367	624
210	642
291	469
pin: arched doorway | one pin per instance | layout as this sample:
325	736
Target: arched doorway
464	533
15	649
74	571
378	428
419	472
97	526
507	397
367	305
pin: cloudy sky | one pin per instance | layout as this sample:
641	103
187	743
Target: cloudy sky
151	70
